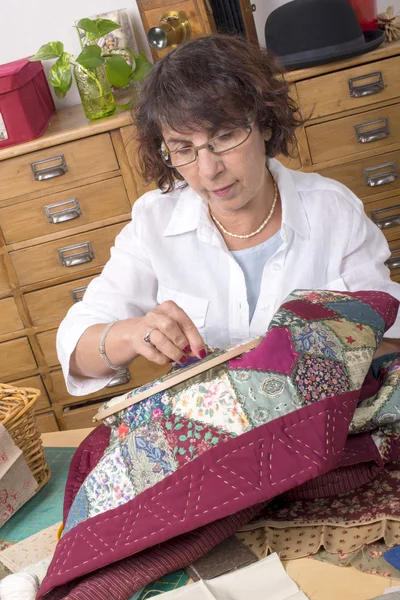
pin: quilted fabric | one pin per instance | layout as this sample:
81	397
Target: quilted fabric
232	437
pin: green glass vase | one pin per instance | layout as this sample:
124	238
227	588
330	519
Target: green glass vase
95	92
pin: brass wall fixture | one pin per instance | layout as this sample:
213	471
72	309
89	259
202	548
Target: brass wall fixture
173	29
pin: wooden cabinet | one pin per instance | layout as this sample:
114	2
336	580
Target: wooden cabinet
64	197
352	133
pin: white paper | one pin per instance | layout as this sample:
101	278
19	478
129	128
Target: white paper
265	579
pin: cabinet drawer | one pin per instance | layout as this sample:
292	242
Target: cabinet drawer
348	136
141	371
47	422
370	176
386	214
47	343
9	316
35	382
351	88
4	287
78	417
394	261
50	305
59	212
64	164
16	357
78	253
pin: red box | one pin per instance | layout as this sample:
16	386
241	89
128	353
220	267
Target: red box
26	104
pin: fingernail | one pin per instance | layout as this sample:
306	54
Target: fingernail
187	349
183	359
202	353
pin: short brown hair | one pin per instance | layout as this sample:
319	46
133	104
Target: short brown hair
206	84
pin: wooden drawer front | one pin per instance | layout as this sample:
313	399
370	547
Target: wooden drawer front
386	214
75	417
35	382
43	262
16	357
83	158
330	93
79	206
50	305
394	261
47	343
47	422
4	287
9	316
348	136
141	372
355	175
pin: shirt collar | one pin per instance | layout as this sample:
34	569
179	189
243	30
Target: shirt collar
293	212
191	211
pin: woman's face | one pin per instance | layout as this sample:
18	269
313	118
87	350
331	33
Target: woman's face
228	181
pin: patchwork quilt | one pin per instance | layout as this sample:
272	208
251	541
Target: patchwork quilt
230	438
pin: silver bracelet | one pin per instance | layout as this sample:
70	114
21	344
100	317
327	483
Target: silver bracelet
103	352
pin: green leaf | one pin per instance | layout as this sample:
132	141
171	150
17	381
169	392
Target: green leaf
182	451
168	425
90	57
207	436
182	438
105	26
189	433
215	440
50	50
143	67
191	449
60	76
197	436
118	71
88	25
178	426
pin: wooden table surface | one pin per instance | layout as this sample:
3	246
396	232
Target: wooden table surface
318	580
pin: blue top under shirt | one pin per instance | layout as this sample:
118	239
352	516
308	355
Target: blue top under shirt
252	262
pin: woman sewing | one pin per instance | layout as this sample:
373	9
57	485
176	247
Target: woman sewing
209	256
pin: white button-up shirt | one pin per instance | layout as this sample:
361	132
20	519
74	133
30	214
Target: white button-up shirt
171	250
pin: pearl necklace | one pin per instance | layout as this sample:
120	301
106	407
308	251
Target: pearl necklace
263	224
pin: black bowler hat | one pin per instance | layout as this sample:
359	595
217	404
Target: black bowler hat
304	33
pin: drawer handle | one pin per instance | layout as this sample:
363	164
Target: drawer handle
388	221
66	210
42	173
373	179
120	379
372	135
78	293
394	261
69	257
366	89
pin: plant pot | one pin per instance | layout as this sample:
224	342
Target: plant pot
95	92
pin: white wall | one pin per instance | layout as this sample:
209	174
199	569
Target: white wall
31	23
264	7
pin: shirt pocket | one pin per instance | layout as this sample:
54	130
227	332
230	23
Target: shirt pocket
194	306
336	285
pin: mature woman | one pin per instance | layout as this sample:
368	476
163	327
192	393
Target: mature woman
210	255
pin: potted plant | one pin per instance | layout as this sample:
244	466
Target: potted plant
95	69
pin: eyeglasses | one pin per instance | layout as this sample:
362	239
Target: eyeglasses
217	145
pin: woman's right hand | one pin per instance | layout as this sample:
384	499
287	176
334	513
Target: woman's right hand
173	335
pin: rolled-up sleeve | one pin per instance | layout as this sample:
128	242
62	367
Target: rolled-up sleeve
126	288
363	266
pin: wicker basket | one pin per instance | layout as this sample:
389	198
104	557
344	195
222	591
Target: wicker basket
17	406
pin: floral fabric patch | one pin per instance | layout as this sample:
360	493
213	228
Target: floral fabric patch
214	403
319	378
315	338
